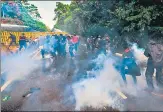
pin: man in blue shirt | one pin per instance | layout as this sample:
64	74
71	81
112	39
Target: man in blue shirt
63	45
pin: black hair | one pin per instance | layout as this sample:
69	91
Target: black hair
156	36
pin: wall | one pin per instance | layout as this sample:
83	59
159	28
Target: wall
5	35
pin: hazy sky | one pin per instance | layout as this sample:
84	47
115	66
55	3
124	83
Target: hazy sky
46	10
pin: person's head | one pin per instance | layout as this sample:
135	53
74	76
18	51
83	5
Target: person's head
157	36
48	36
10	33
61	34
68	37
107	38
23	34
74	34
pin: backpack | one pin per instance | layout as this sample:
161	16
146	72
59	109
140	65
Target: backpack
156	52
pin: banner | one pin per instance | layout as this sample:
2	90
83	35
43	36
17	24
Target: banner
5	35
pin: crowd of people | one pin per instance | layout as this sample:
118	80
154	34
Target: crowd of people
56	46
128	65
49	44
98	43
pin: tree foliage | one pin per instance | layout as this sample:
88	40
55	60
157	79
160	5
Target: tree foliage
121	19
28	13
32	10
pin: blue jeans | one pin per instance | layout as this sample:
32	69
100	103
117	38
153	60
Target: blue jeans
71	51
22	45
76	46
63	50
43	53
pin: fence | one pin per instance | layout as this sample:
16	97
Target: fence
5	35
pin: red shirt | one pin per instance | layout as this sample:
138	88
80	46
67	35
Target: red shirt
127	50
75	39
22	38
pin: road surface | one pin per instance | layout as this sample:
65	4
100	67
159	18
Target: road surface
54	95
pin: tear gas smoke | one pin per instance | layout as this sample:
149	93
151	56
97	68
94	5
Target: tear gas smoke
95	91
139	54
19	66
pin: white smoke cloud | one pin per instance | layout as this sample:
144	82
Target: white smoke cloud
95	91
19	66
139	54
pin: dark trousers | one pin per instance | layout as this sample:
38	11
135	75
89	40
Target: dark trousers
76	46
43	51
128	71
63	50
22	45
54	52
132	69
12	42
149	74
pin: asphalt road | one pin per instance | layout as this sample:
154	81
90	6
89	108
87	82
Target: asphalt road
53	95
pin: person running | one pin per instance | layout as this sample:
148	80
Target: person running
102	46
54	43
13	40
63	45
154	52
71	46
41	40
22	42
89	43
75	40
46	46
129	62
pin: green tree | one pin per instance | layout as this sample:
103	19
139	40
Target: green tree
28	13
123	20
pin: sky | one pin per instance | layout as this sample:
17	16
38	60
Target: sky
46	10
